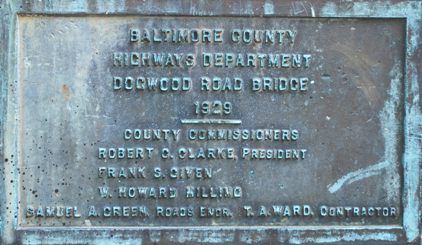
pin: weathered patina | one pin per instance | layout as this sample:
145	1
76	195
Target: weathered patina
210	122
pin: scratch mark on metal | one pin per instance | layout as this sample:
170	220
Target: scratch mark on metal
357	175
389	127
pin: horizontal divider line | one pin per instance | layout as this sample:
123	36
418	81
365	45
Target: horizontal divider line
211	121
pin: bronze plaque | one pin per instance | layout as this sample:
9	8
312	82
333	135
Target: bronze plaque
159	123
194	121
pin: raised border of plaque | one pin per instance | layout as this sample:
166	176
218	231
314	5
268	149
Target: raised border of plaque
408	232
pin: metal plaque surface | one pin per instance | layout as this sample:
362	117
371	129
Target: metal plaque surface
212	127
254	122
